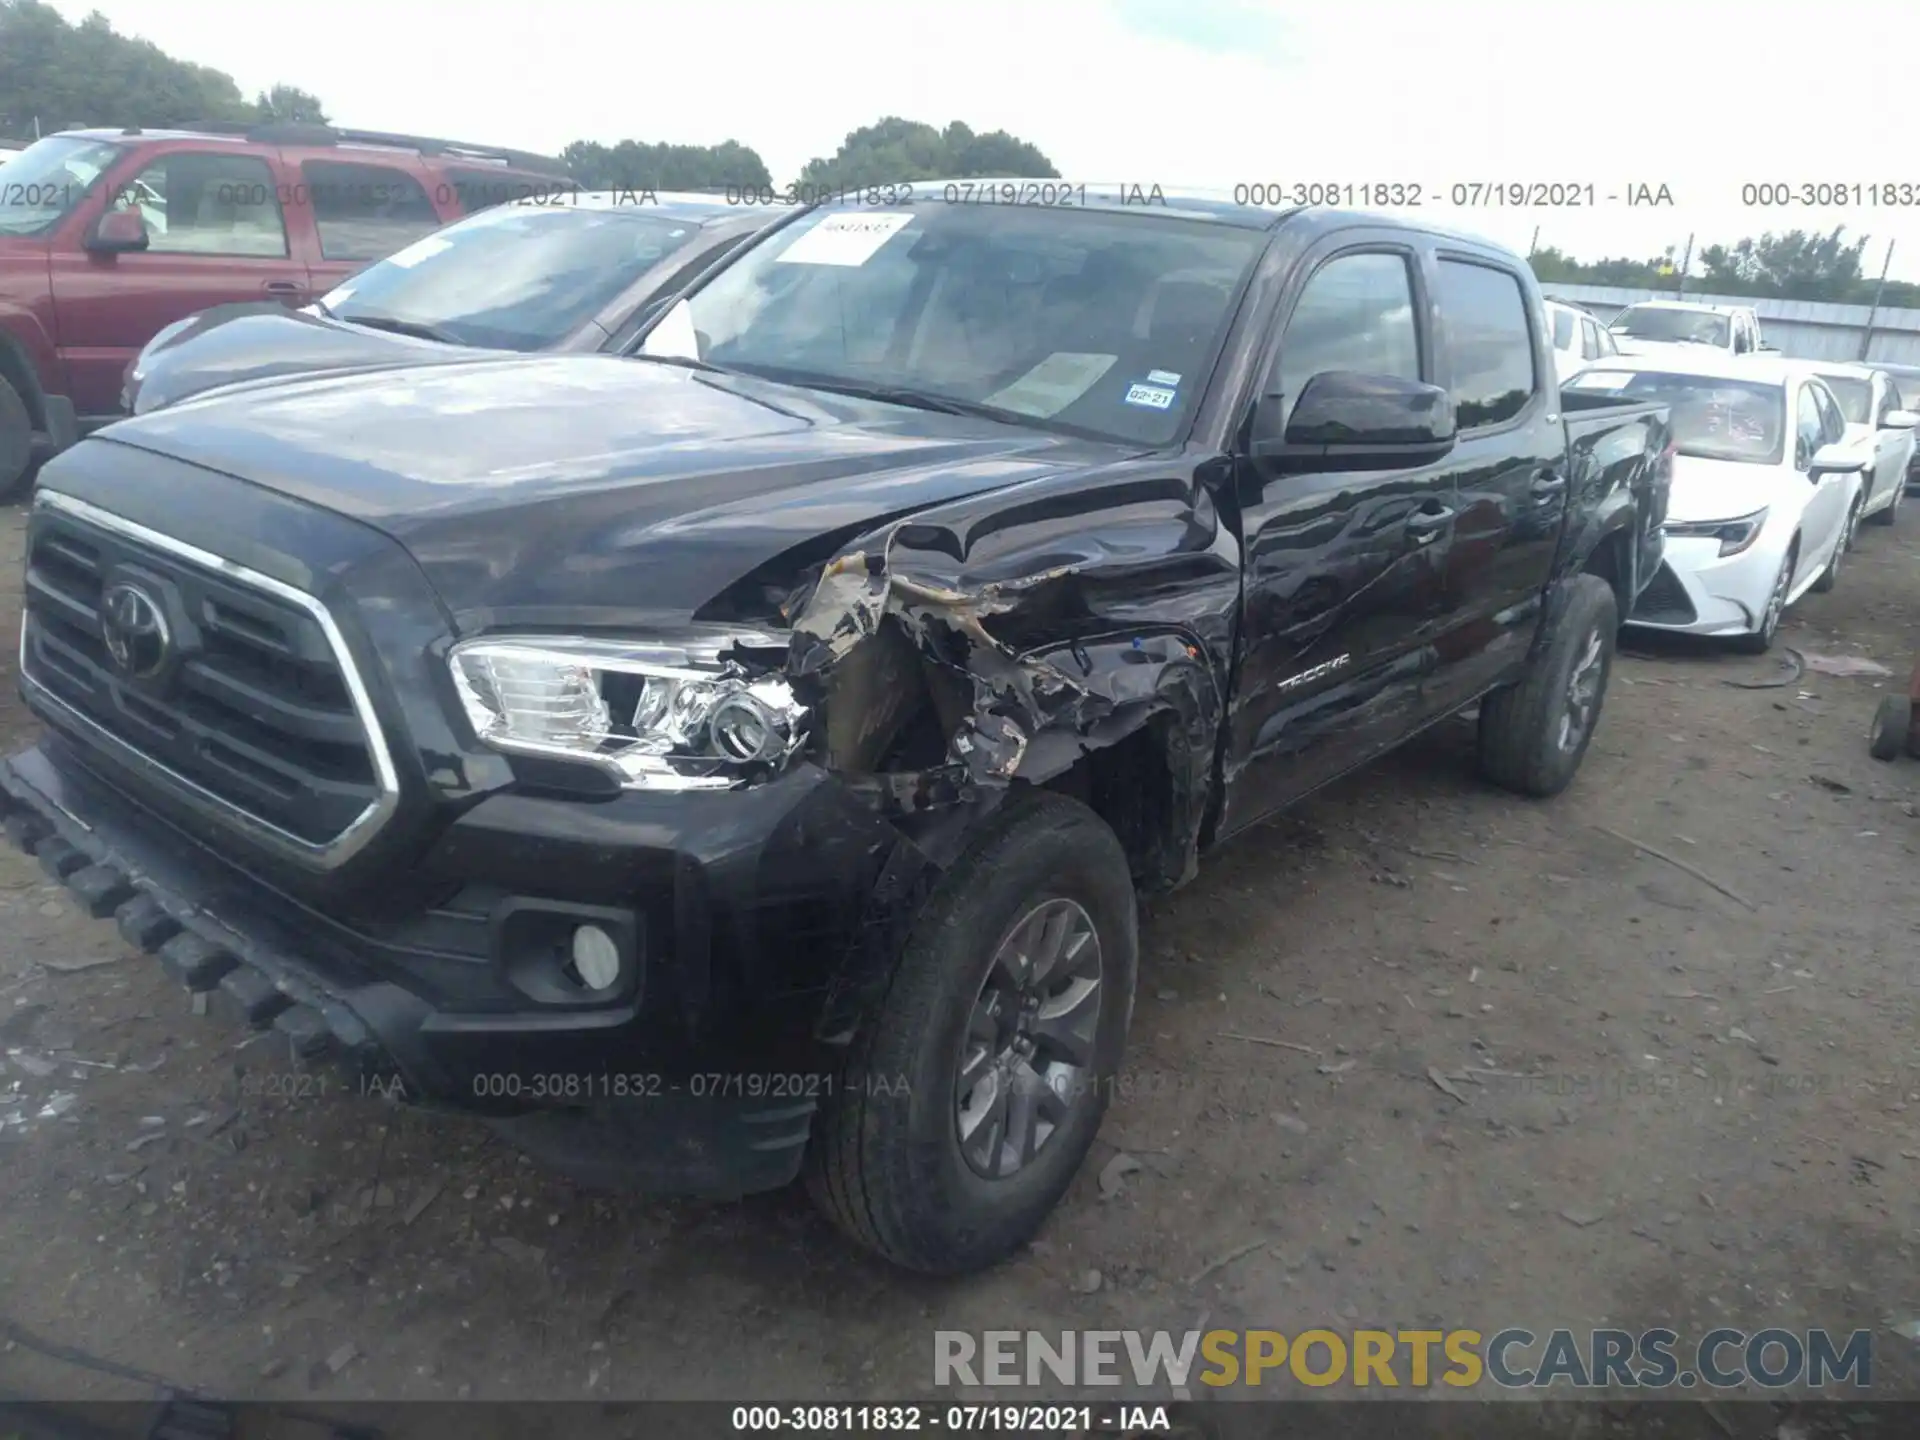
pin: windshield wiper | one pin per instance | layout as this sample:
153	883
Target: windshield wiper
419	329
685	362
906	395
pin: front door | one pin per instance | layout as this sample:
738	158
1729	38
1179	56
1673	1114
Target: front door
1344	589
215	234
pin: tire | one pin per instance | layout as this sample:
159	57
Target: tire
1892	724
1523	744
886	1162
1830	576
1892	512
1761	640
16	443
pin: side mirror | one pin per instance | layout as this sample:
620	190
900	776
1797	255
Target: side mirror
1345	420
118	231
1836	459
1900	420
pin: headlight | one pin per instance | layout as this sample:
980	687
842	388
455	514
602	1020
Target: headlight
1733	535
686	716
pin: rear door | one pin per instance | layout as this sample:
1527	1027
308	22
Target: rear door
1511	465
216	233
1893	449
1344	590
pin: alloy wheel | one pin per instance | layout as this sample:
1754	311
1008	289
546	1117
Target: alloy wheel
1029	1044
1583	693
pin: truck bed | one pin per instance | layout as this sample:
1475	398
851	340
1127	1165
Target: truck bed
1619	454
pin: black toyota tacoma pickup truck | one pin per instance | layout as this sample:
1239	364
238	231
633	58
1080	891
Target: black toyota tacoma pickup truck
739	759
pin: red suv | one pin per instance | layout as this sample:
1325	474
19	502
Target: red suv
106	236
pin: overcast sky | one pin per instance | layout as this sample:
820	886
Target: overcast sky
1699	95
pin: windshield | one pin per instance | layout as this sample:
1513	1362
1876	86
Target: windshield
46	180
515	277
1855	397
1695	327
1098	323
1713	419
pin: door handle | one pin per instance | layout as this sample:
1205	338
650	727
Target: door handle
285	289
1425	526
1548	485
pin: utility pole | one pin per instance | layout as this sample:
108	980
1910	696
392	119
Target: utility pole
1533	245
1680	290
1873	310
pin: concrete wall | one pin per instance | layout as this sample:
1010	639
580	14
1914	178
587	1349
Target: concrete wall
1806	329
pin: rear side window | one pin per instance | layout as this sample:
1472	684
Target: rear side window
1355	313
366	212
1488	343
1562	329
200	204
1589	340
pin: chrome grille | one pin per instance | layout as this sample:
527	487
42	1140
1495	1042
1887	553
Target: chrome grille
254	701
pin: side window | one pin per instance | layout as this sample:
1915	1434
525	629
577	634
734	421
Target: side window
1607	347
1807	426
201	204
1833	421
366	212
1355	313
1562	328
1589	340
1889	400
1488	344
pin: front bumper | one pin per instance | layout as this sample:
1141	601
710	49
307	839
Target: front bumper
1696	591
702	1079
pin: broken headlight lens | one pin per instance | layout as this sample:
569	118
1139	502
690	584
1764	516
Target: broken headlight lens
697	715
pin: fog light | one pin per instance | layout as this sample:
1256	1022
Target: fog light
596	957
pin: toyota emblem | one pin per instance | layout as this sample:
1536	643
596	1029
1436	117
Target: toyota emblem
134	626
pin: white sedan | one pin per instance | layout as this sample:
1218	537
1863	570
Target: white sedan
1883	431
1765	490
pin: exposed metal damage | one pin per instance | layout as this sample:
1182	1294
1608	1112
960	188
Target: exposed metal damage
1007	716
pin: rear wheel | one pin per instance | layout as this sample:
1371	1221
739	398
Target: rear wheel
1534	734
16	442
1762	638
974	1092
1892	726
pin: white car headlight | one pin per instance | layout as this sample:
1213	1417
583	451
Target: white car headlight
658	716
1734	535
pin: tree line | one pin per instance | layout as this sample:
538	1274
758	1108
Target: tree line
55	75
1796	265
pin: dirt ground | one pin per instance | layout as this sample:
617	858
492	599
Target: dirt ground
1669	1106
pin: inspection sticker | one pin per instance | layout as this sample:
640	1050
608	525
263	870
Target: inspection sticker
1152	397
1162	377
848	239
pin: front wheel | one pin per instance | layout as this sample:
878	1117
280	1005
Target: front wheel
1534	734
1830	576
1892	511
16	442
972	1095
1763	635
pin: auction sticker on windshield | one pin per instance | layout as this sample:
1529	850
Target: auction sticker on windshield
420	250
1054	384
844	240
1153	397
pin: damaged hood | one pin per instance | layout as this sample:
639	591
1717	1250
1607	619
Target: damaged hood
589	488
